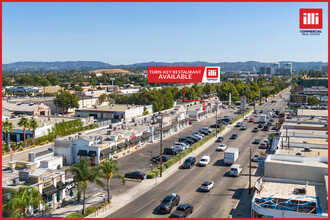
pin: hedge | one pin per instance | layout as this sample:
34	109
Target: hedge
75	215
91	209
184	153
240	116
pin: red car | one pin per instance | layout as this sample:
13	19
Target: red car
251	120
190	123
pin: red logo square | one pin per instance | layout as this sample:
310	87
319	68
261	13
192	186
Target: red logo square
212	73
310	18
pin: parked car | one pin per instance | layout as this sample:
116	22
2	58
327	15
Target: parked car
206	186
243	127
271	120
263	146
269	123
259	125
221	147
255	129
168	203
204	161
246	118
188	163
222	121
273	101
171	151
261	111
238	124
255	158
274	128
190	123
251	120
266	128
136	175
233	136
257	115
182	144
266	141
156	159
235	170
195	139
228	118
199	134
182	211
215	126
203	132
256	141
220	139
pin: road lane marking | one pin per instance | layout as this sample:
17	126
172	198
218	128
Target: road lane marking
196	211
144	206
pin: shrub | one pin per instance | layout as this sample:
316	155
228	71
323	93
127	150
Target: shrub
91	209
157	171
75	215
151	175
20	149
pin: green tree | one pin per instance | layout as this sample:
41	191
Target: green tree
110	169
145	111
102	98
33	124
84	174
24	123
7	127
21	200
312	100
65	100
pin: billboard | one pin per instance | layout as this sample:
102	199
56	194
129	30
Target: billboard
298	88
298	99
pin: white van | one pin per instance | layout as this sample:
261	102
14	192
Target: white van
235	170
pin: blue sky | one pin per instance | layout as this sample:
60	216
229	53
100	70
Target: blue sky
127	33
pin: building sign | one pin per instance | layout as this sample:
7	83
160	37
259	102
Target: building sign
298	88
192	116
47	183
298	99
119	138
46	177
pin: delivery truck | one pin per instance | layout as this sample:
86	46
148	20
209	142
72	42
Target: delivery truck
231	155
263	118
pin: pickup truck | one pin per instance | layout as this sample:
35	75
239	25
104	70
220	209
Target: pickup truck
168	203
182	211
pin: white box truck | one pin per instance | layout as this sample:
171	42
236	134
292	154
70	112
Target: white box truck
263	118
231	155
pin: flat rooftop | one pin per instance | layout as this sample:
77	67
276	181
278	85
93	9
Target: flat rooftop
42	120
294	151
279	193
107	108
297	160
308	112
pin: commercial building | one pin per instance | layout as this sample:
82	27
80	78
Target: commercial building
39	109
274	66
28	90
265	70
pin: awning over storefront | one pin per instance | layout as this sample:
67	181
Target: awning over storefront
49	190
106	151
146	135
167	128
60	185
121	145
135	140
82	153
92	153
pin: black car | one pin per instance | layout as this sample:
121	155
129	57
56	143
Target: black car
182	211
273	101
156	159
256	141
171	151
221	121
261	111
136	175
274	128
269	123
271	120
195	139
233	136
204	132
226	120
188	140
189	162
266	128
263	146
168	203
220	139
260	126
215	126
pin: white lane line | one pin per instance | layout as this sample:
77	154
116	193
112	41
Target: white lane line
216	186
181	178
195	211
144	206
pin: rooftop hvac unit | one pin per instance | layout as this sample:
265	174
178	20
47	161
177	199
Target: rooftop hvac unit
307	149
300	190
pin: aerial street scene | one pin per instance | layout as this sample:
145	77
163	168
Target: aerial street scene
164	110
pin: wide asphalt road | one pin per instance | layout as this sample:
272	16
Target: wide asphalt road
223	197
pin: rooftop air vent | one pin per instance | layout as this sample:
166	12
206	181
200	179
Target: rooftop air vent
307	149
300	190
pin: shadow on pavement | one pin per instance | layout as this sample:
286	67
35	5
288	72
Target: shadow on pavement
243	209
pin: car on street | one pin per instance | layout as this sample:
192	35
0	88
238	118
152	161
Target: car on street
136	175
273	101
255	158
271	120
261	111
221	147
220	139
156	159
257	115
246	118
188	163
206	186
235	170
269	123
238	124
233	136
263	146
205	160
215	126
266	128
255	111
168	203
239	112
266	141
274	128
190	123
243	127
182	211
251	120
256	141
255	129
259	125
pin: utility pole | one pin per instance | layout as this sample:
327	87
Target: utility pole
216	120
250	189
161	144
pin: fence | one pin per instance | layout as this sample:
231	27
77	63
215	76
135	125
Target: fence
99	211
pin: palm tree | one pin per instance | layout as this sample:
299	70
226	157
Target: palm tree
83	173
7	127
21	200
110	169
24	122
33	124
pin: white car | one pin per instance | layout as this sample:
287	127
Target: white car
204	161
199	136
255	158
235	170
221	147
266	141
206	186
246	118
180	144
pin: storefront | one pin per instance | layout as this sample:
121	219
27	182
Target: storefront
145	137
